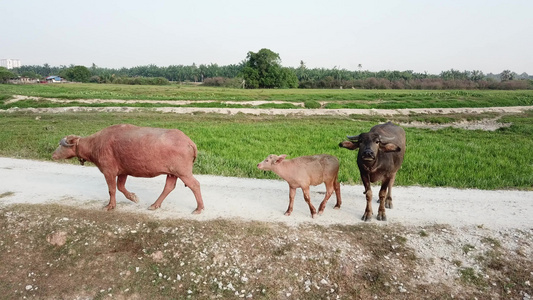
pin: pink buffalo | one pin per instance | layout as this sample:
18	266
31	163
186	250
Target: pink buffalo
122	150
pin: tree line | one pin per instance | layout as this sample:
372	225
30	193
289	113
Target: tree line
263	69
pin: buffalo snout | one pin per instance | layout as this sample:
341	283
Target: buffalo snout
369	154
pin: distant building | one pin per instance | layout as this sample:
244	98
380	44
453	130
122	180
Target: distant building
24	80
10	63
54	79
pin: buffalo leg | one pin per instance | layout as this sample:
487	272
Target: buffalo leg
121	186
329	191
292	193
338	195
194	185
169	186
388	200
368	193
382	195
112	187
307	198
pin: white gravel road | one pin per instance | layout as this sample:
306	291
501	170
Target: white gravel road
29	181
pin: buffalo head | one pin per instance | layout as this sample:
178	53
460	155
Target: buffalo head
67	148
369	145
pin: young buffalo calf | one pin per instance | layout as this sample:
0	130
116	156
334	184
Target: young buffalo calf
304	171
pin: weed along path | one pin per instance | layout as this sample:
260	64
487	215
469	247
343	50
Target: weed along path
37	182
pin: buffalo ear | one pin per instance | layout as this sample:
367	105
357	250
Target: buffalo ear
280	158
349	145
72	139
389	147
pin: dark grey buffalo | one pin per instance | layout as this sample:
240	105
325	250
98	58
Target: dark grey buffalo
381	152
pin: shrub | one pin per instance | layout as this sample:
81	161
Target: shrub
77	74
312	104
141	80
514	85
223	82
95	79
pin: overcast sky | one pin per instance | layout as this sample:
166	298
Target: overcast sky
418	35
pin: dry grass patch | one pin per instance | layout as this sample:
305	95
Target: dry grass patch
6	194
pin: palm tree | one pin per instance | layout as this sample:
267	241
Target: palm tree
506	75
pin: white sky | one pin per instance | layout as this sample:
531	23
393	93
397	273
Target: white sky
418	35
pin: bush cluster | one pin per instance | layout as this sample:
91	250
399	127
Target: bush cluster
223	82
131	80
264	70
417	84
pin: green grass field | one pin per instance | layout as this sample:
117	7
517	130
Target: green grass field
347	98
233	145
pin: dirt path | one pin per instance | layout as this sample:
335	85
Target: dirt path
251	111
27	181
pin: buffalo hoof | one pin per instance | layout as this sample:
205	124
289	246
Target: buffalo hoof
367	217
134	198
109	207
388	203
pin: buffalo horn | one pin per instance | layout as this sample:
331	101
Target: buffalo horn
353	137
386	140
64	143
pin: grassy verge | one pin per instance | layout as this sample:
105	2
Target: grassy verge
233	145
348	98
